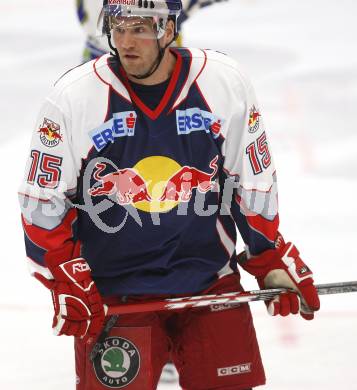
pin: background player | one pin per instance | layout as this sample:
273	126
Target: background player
95	46
186	120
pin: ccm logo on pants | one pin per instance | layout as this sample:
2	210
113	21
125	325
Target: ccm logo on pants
234	370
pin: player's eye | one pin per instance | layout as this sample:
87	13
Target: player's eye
119	30
139	30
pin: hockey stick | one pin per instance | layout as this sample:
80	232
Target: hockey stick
105	332
228	298
207	300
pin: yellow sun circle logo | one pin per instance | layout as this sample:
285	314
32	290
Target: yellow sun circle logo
156	171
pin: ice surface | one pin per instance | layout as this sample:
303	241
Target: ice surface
302	59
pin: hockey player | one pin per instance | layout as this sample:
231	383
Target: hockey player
142	165
95	46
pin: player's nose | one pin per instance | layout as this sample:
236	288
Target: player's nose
126	40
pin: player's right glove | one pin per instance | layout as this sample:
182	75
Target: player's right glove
282	267
77	303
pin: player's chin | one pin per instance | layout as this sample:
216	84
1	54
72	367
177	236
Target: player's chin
132	67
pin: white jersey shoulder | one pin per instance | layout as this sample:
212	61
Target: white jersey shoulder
228	68
81	97
230	96
224	86
74	75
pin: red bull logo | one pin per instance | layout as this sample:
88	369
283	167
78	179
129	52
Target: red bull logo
253	121
155	184
50	134
179	187
127	184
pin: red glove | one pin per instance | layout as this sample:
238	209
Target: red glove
283	268
77	303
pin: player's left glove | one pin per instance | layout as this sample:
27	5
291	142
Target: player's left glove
283	268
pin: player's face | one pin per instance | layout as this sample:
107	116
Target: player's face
136	42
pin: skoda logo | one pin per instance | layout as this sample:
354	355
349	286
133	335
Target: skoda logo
117	363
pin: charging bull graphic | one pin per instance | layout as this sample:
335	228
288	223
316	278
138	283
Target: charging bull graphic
133	185
180	185
127	184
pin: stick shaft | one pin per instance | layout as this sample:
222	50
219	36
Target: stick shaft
206	300
337	288
230	298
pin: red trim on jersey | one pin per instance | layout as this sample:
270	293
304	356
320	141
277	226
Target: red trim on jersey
194	82
268	228
106	118
51	239
34	197
220	135
95	71
154	114
203	98
106	83
203	66
187	75
227	172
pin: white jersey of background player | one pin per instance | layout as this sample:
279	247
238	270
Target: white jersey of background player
95	46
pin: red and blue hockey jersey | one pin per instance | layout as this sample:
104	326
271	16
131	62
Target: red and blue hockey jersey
151	197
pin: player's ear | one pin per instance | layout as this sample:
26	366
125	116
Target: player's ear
169	31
